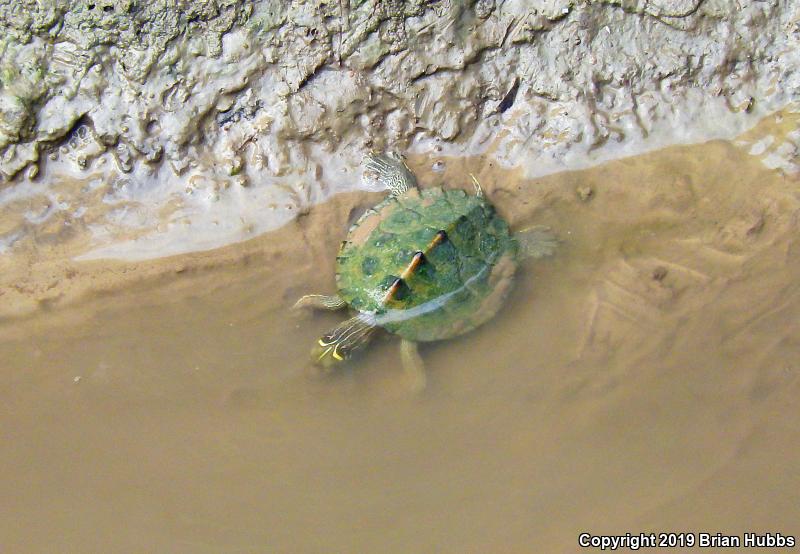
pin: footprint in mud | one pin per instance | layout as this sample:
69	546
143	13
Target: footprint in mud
628	305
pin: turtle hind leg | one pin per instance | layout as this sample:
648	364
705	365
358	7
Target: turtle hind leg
413	365
391	172
320	302
536	242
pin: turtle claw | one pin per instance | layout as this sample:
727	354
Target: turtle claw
477	185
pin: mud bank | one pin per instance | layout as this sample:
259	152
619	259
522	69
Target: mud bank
194	125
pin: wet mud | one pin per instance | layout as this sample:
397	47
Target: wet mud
187	121
643	378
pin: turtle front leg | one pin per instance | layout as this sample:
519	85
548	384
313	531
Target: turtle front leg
320	302
413	365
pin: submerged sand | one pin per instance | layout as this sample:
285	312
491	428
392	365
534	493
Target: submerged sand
646	378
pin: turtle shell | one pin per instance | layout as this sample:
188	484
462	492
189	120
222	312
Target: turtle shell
429	264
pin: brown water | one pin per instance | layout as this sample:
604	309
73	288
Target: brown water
646	378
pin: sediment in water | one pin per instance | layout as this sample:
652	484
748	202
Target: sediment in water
645	377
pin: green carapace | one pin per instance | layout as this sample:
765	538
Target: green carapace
423	264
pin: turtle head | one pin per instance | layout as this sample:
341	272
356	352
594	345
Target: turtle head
333	349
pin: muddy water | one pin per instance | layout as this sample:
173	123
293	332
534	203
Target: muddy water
646	378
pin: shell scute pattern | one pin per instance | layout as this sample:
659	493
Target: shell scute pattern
455	287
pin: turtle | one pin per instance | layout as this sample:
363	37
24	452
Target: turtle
424	264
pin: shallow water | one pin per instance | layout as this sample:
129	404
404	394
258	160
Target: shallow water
643	379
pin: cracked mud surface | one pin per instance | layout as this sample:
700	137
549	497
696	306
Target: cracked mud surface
213	121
